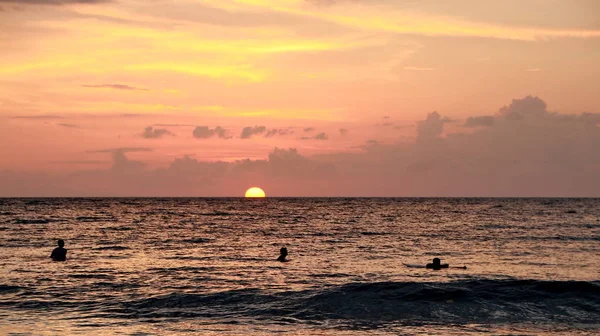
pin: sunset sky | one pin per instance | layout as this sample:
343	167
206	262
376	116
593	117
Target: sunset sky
300	97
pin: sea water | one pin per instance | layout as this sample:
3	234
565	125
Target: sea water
145	266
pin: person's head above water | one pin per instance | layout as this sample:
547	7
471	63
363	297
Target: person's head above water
436	264
59	253
282	254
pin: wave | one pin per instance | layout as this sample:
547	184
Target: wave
460	302
91	276
370	233
9	289
95	219
32	221
475	301
111	248
216	213
198	240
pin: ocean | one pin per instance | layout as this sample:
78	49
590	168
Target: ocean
187	266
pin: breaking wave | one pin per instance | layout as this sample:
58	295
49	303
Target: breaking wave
472	301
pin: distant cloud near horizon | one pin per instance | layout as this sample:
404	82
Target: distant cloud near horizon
430	128
38	117
81	162
248	132
155	133
591	118
205	132
529	106
68	125
115	86
343	131
173	125
122	150
526	151
275	131
251	131
479	121
320	136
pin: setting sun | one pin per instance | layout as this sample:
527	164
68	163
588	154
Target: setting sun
255	193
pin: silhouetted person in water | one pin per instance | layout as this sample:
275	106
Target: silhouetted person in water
436	265
282	254
59	253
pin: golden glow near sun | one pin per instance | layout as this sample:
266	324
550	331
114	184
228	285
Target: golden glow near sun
255	193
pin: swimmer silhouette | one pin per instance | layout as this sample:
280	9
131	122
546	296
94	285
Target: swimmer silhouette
436	265
282	254
59	253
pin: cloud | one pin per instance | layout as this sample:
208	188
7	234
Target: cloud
114	86
191	167
173	125
271	133
309	129
320	136
527	151
122	150
68	125
479	121
430	128
205	132
40	117
120	163
343	132
248	132
527	107
80	162
469	18
274	131
155	133
591	118
287	162
450	120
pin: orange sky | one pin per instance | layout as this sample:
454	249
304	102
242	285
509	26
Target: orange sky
94	89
